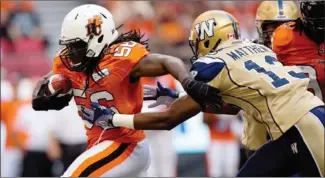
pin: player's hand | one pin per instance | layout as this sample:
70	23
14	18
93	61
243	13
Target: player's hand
99	115
162	95
43	102
207	96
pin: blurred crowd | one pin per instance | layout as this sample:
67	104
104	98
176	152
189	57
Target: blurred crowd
167	23
23	45
52	146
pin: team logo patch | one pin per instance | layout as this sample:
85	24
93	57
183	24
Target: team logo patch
94	26
205	28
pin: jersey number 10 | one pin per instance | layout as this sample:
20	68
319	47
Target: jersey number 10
277	81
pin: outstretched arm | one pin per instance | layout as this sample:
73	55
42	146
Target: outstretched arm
178	112
158	64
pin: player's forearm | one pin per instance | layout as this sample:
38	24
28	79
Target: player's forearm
179	111
143	121
157	65
175	67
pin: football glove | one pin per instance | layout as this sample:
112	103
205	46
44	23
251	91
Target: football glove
43	102
100	116
162	95
205	95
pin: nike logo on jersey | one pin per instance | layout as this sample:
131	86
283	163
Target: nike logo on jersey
294	148
103	73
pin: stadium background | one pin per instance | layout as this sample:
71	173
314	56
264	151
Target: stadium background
29	41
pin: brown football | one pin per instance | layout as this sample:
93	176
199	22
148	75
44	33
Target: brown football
57	82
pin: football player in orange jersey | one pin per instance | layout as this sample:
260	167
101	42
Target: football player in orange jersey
301	43
105	68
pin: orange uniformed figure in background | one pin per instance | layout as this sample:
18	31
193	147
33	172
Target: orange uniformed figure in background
15	138
222	157
293	46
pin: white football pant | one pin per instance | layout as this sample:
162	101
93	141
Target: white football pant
112	159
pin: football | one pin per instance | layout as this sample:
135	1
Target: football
57	82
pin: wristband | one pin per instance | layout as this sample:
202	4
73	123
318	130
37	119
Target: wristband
123	120
181	94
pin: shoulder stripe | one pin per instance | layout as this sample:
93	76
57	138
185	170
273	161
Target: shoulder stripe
280	4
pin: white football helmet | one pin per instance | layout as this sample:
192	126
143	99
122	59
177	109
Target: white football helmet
91	24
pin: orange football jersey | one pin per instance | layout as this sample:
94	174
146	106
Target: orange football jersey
114	90
8	116
295	48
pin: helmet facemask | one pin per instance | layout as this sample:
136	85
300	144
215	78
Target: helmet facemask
194	44
265	30
74	55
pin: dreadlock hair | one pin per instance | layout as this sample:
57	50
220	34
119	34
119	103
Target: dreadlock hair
301	28
132	35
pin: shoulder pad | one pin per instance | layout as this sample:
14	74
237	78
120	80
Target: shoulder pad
205	68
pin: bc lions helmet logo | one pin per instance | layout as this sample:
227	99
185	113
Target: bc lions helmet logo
94	26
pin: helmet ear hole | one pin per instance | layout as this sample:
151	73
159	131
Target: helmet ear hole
100	39
206	43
